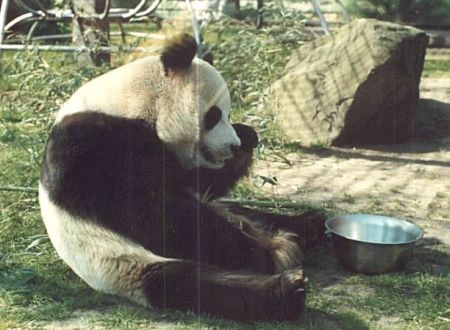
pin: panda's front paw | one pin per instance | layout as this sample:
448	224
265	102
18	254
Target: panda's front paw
247	135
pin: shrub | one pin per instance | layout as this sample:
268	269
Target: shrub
417	12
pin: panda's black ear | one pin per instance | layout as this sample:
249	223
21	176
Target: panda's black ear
208	57
179	52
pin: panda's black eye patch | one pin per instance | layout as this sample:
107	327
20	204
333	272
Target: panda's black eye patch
212	117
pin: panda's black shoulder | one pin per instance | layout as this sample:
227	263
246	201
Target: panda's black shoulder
95	164
179	52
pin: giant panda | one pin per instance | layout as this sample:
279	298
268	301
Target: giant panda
131	172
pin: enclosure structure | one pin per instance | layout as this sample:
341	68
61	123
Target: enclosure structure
91	20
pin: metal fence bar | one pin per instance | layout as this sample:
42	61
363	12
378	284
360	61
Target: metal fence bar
319	13
113	15
61	48
3	11
195	25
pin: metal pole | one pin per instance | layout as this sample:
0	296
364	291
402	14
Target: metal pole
319	13
195	25
259	13
58	48
3	12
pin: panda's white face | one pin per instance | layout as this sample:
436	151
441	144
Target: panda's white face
218	139
197	127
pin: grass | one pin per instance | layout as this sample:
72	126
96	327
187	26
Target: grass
437	68
38	289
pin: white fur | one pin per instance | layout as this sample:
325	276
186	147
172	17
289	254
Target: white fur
107	261
222	136
177	104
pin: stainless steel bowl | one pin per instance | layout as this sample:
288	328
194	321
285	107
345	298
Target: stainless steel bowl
371	243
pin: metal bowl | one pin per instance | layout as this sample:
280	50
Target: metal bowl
371	243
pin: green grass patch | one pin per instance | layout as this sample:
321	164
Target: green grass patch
436	68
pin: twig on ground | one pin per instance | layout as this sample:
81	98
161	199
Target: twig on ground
19	189
267	203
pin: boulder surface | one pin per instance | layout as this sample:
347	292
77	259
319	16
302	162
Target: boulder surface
359	85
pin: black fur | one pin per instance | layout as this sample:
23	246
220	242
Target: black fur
208	57
179	52
238	296
248	137
110	170
117	173
219	182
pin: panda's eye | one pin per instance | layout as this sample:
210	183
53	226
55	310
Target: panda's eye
212	117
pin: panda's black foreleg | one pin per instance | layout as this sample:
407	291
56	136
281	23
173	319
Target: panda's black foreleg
216	183
188	286
280	246
308	226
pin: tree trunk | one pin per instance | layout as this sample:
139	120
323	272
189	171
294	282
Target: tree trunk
90	32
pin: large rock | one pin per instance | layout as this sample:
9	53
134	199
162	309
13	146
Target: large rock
359	85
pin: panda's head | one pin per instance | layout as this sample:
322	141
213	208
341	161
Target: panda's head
195	120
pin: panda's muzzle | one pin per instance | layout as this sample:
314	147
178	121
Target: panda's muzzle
215	158
248	140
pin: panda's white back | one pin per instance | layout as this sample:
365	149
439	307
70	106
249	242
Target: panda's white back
141	88
126	91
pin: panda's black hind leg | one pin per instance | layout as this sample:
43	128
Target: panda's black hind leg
188	286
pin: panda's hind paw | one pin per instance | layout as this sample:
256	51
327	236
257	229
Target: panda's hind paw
291	295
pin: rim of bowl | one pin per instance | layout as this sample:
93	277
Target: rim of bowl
419	236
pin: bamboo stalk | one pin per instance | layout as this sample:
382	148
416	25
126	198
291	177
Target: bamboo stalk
247	202
267	203
19	189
